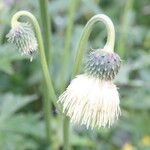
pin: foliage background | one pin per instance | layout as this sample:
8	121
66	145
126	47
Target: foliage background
21	113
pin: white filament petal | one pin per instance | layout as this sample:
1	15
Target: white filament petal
91	102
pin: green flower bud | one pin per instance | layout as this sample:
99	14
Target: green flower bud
103	64
22	35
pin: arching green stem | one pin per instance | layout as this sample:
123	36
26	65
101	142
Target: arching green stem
46	30
109	46
46	74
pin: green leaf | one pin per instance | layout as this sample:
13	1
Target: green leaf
26	124
10	103
8	54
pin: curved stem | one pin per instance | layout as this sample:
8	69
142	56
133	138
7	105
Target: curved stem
46	74
46	28
44	65
109	46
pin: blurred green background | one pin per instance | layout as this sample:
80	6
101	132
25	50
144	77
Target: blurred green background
21	92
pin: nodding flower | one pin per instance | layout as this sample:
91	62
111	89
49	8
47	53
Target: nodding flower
23	37
92	98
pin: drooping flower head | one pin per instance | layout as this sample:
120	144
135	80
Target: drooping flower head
22	35
92	99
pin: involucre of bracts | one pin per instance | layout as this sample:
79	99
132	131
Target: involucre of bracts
103	64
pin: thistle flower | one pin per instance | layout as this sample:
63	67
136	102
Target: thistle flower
91	102
91	98
22	35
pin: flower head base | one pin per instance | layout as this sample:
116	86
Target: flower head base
22	35
103	65
91	102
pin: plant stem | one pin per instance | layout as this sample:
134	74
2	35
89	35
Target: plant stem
83	41
46	27
124	28
109	46
66	127
66	54
46	74
47	107
68	39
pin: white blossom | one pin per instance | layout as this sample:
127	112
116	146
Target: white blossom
90	101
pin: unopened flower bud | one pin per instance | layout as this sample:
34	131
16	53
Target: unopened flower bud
92	98
22	35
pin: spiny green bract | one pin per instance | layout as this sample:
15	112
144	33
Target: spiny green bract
103	65
22	35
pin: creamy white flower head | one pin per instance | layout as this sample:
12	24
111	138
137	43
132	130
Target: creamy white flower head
90	101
